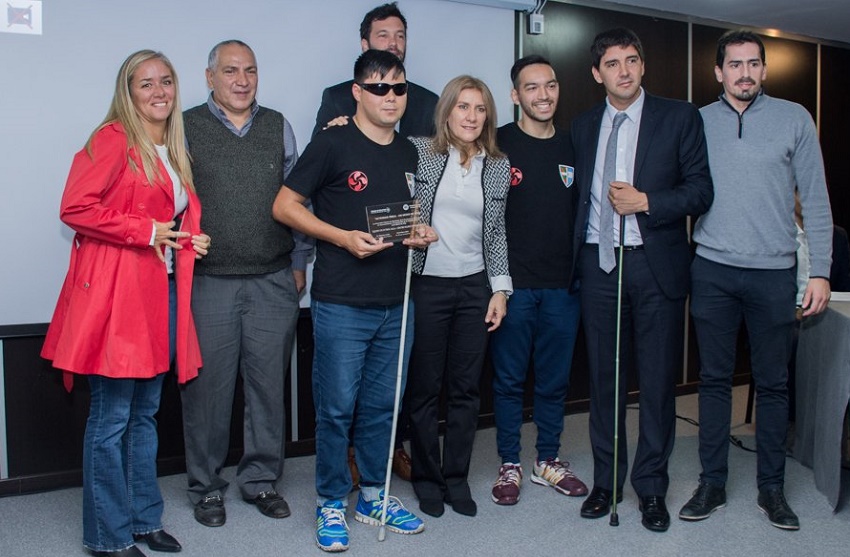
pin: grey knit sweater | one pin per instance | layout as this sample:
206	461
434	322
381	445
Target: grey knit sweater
237	179
757	158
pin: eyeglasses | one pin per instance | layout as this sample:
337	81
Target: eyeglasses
383	89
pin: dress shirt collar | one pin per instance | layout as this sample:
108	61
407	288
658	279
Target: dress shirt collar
633	111
222	116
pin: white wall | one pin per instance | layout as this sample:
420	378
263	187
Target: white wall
56	87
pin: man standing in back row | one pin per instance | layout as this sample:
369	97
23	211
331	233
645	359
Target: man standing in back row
383	28
543	314
761	149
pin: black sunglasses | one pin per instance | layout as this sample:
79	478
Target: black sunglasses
382	89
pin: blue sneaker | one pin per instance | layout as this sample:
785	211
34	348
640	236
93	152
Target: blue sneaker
399	519
331	528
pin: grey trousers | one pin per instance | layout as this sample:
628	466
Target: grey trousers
245	325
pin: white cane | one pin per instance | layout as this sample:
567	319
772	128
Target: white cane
382	532
615	518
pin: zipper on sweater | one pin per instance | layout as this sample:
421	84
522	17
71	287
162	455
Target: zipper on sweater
741	114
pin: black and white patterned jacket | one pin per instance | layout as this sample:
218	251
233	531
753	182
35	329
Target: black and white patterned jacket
495	179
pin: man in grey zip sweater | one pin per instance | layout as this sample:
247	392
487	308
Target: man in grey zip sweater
760	150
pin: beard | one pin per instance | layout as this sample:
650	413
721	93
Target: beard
749	94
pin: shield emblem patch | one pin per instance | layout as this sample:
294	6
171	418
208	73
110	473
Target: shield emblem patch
567	174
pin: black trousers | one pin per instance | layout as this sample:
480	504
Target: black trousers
652	330
450	341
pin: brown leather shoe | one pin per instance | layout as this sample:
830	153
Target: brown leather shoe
355	473
401	464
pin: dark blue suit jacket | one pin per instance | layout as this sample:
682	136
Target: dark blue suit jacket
417	121
671	167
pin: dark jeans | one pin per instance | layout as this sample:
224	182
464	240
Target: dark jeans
542	322
721	297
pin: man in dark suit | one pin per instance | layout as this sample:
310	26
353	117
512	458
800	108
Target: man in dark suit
656	176
383	28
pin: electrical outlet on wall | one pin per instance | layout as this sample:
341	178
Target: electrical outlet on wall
535	24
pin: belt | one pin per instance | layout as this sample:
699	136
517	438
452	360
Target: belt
625	248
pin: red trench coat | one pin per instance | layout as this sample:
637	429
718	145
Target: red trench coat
112	314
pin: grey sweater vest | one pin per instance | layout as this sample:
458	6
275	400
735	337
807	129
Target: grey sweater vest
237	179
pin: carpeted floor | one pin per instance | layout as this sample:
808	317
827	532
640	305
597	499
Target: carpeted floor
542	523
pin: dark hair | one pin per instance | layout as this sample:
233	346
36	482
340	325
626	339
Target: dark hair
380	62
620	36
737	36
380	13
524	62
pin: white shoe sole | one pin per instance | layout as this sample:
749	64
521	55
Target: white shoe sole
360	517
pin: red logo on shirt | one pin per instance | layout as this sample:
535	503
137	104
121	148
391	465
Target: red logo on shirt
516	176
358	180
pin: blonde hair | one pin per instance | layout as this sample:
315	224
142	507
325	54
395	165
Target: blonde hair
122	111
448	99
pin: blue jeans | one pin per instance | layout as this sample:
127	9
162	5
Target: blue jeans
120	493
721	298
354	378
543	323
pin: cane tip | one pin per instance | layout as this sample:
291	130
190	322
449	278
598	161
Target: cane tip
382	534
615	519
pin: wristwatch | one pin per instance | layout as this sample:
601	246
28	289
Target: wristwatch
505	294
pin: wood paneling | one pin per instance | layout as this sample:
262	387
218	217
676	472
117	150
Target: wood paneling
835	129
569	33
791	68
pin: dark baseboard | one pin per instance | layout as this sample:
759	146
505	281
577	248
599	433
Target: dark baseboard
177	465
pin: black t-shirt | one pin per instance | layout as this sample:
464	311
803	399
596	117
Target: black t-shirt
344	172
540	212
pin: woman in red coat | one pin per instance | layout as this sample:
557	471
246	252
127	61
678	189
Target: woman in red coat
123	314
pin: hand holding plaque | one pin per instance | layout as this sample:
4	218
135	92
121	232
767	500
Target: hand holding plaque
393	222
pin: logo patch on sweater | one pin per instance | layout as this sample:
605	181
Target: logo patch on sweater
411	182
567	174
358	180
516	176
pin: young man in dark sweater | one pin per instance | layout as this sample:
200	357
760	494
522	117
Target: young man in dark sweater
357	293
543	314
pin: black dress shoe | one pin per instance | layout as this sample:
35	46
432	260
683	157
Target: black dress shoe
209	511
772	503
131	551
655	515
159	541
598	502
432	507
271	504
706	500
466	506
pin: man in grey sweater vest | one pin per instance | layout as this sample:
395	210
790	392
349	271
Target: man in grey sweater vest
760	150
245	300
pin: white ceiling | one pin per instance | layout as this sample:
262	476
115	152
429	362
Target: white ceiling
818	19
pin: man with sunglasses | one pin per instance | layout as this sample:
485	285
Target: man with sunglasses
383	28
357	293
